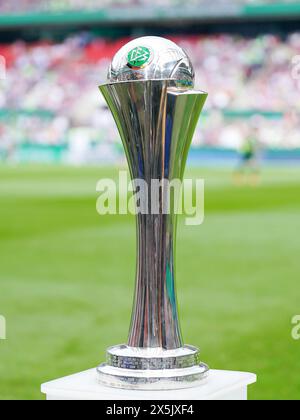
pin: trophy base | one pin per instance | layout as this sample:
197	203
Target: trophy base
153	368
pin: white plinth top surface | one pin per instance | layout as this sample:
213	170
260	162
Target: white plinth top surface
84	386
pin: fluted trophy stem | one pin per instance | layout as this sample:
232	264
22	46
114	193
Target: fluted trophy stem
155	319
156	111
156	136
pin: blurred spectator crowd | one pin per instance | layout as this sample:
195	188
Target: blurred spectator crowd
50	95
17	6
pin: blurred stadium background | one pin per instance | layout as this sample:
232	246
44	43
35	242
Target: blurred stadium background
63	268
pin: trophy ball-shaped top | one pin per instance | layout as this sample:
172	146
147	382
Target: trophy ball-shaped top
152	58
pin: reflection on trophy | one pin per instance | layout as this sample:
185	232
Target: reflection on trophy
151	97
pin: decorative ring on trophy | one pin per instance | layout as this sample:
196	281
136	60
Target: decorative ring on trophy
151	97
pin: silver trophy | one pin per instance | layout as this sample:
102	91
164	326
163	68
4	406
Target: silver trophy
151	97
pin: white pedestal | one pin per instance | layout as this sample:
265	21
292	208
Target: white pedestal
220	385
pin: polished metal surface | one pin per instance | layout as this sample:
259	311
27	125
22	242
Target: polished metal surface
126	357
156	124
152	58
152	368
156	118
164	379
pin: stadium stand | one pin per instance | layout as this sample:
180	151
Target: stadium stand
51	88
51	101
17	6
18	13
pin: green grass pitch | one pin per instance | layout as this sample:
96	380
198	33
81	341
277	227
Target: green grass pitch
67	277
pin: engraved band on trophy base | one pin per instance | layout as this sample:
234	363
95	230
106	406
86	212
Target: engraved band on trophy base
135	368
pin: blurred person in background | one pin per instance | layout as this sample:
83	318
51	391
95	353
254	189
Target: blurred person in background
248	171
